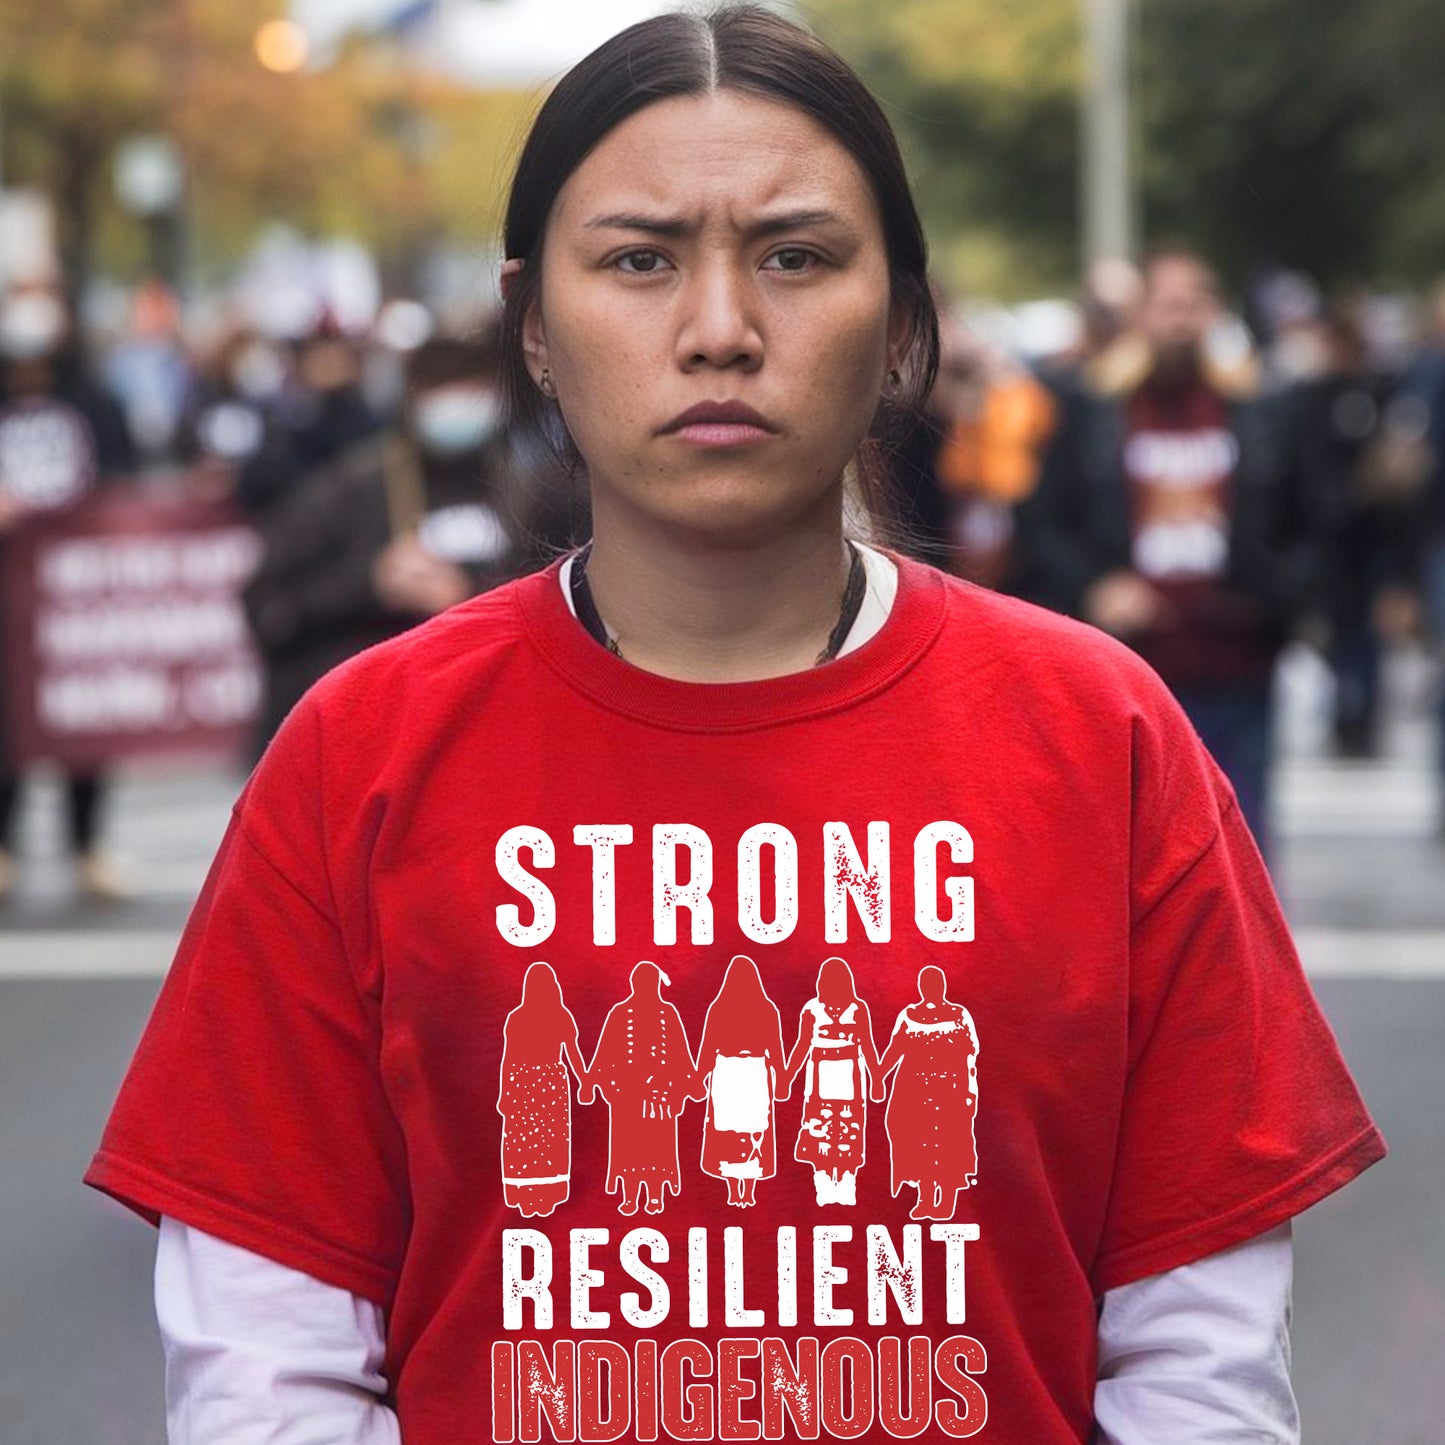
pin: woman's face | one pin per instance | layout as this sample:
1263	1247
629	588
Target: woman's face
716	249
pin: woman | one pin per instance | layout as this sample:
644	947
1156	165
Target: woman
644	1068
741	1058
730	726
835	1043
934	1098
539	1043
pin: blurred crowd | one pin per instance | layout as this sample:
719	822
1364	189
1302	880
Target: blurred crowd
372	464
1205	483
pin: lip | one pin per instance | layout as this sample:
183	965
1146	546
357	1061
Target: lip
720	423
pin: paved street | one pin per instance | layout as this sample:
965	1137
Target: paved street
1362	872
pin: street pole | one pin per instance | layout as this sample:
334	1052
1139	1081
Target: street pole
1105	181
171	234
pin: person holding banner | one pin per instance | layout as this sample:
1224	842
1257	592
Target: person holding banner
60	437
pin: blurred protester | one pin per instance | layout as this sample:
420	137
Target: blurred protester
149	372
1423	388
1168	514
1074	335
1113	292
319	413
972	457
1363	458
60	436
402	324
229	429
922	510
328	412
999	419
1287	314
395	530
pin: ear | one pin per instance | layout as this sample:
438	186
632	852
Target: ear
534	334
511	271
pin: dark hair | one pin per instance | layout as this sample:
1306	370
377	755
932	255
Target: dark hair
741	48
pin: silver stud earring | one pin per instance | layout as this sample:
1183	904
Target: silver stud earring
546	385
895	379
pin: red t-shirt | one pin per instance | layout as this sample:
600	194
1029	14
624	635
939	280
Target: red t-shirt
985	847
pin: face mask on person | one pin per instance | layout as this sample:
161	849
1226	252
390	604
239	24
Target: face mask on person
32	327
257	372
453	420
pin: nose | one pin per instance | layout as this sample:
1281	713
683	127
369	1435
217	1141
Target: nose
719	325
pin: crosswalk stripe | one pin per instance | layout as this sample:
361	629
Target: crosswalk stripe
87	953
1331	800
1372	953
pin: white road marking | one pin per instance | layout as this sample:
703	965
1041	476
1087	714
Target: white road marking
81	953
1336	800
1372	953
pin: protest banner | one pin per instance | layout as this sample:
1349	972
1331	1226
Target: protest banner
123	631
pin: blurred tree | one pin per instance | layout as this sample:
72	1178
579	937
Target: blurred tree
364	147
1269	130
1297	133
985	100
74	81
1281	131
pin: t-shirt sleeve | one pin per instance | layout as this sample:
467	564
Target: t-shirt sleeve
254	1108
1238	1110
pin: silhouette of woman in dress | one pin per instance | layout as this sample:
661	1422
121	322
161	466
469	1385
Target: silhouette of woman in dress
539	1043
741	1060
644	1068
835	1041
933	1099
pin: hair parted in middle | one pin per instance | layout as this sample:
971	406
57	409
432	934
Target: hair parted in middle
750	50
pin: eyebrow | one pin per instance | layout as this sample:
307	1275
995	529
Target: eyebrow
674	226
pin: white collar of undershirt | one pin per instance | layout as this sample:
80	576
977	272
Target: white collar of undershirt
881	576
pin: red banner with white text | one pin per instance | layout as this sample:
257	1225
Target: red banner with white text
123	631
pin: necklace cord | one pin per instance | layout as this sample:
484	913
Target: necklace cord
853	593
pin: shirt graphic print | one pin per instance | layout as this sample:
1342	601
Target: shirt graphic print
645	1072
540	1045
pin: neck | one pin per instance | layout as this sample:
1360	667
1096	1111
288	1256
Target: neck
698	609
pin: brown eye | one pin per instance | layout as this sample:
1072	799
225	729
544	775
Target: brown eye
793	259
639	263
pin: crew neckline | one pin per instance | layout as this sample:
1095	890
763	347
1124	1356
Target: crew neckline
910	627
880	588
